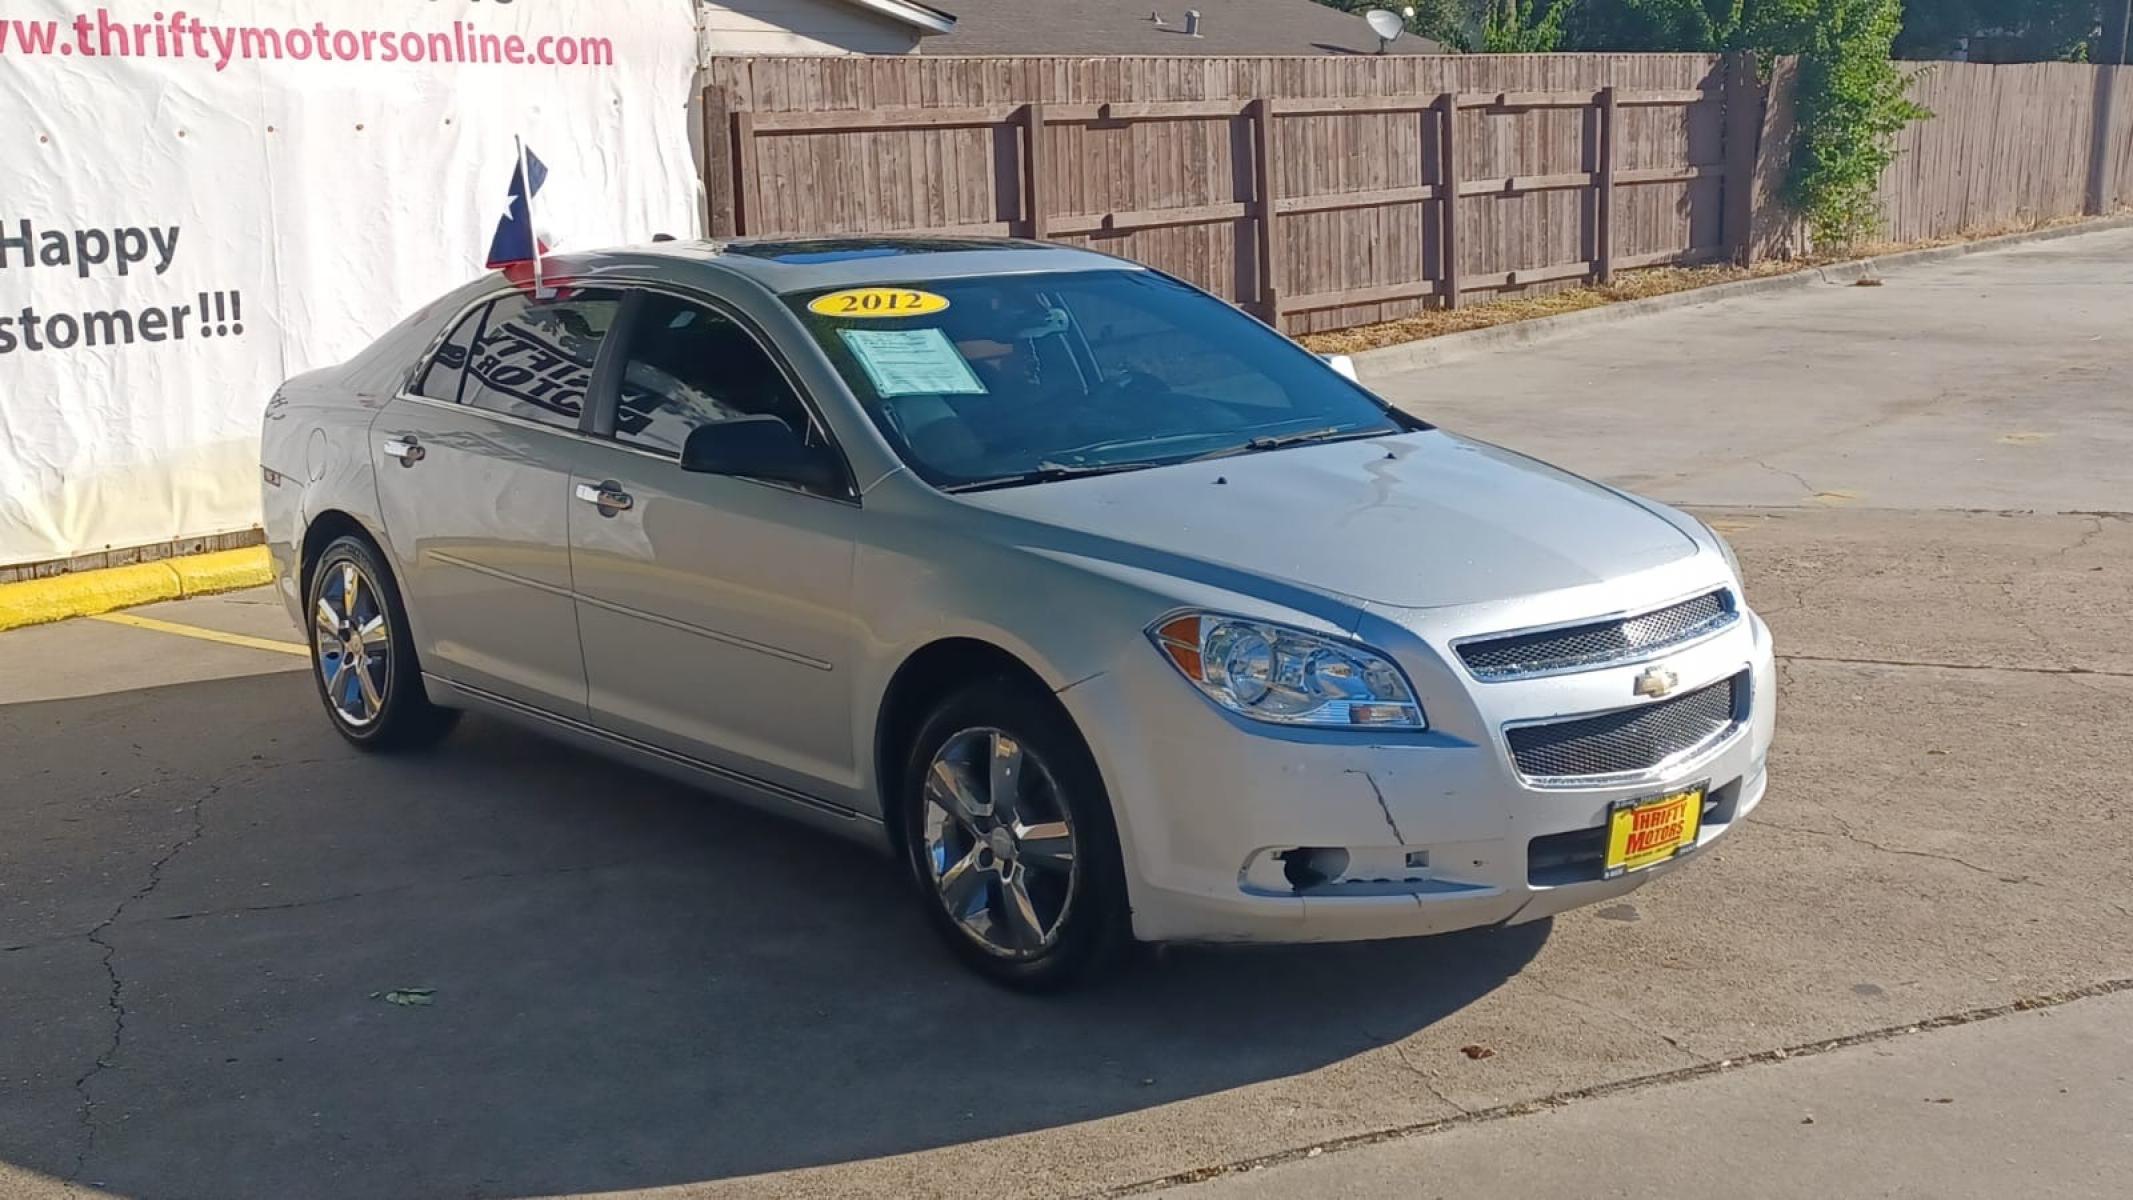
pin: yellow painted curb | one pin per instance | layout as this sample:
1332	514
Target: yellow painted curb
86	593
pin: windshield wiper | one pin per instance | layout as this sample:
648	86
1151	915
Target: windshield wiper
1331	433
1047	472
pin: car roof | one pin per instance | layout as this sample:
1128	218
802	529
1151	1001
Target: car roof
799	264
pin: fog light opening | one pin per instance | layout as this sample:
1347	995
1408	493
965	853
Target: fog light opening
1307	867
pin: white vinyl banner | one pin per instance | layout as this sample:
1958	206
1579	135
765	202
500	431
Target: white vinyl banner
197	204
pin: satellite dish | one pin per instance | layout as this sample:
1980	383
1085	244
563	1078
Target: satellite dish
1386	24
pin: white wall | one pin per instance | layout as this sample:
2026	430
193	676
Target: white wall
800	27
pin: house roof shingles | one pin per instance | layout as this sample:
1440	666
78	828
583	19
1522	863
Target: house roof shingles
1244	27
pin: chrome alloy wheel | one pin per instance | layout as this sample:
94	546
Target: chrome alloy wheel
352	641
999	843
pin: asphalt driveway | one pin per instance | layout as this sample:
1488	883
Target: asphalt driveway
207	902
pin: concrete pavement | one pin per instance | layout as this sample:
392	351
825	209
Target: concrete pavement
2030	1105
638	989
1993	382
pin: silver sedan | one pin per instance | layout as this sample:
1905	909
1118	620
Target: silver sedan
1111	613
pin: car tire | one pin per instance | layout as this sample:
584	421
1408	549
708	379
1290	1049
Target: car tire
371	685
1027	908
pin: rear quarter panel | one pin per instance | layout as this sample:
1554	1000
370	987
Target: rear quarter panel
314	459
315	442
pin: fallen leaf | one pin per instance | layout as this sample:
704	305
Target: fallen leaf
1477	1052
408	997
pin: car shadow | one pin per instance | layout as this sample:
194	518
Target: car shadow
509	968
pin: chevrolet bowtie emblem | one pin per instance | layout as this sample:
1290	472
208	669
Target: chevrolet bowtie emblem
1656	682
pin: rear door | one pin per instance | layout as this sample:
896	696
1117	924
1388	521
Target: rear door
715	611
474	469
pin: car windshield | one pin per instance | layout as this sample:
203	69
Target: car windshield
1002	381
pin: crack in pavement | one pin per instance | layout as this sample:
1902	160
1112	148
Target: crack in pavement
1795	476
115	998
337	898
1617	1087
2094	531
1951	666
1545	988
1846	834
415	885
57	939
1399	1050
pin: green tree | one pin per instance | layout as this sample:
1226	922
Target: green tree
1445	21
2034	30
1532	27
1649	25
1853	101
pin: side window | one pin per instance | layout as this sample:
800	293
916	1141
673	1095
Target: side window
690	366
448	367
534	358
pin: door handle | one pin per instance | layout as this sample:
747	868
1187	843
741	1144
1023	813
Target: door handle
407	450
608	497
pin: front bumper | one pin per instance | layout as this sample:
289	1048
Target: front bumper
1442	830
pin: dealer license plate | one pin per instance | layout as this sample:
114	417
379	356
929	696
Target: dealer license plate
1646	832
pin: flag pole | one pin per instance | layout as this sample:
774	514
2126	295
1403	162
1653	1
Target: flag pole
533	230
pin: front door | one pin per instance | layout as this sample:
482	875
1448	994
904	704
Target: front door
715	612
474	466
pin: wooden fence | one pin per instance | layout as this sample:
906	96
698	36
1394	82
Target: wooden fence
1318	192
2008	146
1329	192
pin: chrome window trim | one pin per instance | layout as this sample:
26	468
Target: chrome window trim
611	444
1642	654
492	414
1676	763
422	365
763	342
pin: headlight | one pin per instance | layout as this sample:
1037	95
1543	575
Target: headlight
1286	676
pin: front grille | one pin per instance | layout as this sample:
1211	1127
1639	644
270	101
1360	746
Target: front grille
1632	740
1599	643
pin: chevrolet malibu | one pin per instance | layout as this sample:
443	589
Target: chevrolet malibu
1111	613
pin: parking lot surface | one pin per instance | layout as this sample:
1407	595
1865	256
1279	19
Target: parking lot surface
208	905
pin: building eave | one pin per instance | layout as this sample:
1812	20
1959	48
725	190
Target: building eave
925	18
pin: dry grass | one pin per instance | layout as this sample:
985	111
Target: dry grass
1630	285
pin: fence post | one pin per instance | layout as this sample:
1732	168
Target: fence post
716	121
1448	187
1744	128
1036	169
2103	139
747	176
1264	208
1603	217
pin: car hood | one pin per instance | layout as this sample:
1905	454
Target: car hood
1418	520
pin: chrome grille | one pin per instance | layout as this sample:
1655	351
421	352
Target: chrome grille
1632	740
1598	643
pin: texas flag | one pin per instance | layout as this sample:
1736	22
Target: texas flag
517	240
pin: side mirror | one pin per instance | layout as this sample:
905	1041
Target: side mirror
761	447
1343	366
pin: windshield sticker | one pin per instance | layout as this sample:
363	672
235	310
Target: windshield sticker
875	303
912	362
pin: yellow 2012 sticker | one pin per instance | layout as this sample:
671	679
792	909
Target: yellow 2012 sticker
877	302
